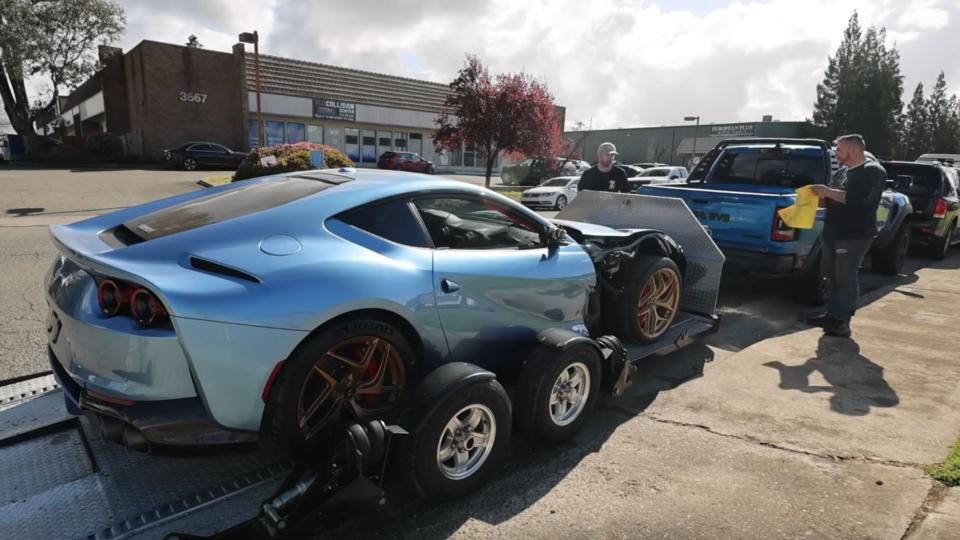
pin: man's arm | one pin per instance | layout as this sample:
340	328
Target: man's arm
825	192
623	185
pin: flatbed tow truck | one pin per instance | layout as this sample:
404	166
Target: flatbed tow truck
61	477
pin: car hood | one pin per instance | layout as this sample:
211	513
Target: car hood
592	230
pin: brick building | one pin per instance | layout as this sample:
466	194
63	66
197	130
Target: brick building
159	95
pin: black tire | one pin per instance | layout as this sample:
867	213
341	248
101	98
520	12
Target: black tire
533	412
281	419
626	319
812	286
189	164
938	247
891	258
419	452
561	202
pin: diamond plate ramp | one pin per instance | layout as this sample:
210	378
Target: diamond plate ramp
670	215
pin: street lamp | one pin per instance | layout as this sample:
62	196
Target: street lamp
695	133
254	37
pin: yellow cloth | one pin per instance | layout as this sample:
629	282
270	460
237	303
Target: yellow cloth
804	212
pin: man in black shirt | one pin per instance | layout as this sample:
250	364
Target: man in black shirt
604	176
848	231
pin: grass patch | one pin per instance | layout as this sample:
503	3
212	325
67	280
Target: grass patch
218	180
949	472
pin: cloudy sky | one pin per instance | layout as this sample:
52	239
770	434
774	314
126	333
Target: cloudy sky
612	63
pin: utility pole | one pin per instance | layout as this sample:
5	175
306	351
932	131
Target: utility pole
254	37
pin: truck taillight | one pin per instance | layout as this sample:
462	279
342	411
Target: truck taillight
941	210
780	232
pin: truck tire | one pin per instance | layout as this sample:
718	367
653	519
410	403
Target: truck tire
812	289
556	391
938	247
646	308
460	443
889	260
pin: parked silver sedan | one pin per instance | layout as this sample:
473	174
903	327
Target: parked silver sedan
554	193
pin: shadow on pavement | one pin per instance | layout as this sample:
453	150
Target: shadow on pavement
528	472
855	382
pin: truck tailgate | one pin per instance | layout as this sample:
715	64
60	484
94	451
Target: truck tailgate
736	219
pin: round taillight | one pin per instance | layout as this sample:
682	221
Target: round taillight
112	297
146	308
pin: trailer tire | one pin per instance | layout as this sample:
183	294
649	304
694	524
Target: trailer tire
429	456
544	392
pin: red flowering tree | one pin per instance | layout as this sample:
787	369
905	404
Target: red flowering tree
513	114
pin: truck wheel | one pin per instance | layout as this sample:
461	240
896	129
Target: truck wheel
555	392
812	289
939	247
650	299
890	259
459	444
360	364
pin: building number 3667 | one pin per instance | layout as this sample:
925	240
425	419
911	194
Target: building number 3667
193	97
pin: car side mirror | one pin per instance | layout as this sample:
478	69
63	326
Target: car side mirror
554	237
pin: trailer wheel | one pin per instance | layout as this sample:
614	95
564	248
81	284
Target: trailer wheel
455	451
556	390
650	300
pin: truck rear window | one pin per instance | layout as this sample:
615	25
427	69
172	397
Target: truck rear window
925	180
785	167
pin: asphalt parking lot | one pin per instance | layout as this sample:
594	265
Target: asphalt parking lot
766	429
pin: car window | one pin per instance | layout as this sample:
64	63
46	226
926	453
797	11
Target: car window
924	180
218	148
655	172
467	223
392	221
771	166
199	148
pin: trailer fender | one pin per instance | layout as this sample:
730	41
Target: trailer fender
616	371
437	386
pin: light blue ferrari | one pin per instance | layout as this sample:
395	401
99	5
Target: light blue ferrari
265	306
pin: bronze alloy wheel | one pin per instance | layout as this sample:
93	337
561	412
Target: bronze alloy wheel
366	371
658	303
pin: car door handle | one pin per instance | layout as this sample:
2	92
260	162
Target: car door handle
449	286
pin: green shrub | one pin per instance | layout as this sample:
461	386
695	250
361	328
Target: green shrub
290	157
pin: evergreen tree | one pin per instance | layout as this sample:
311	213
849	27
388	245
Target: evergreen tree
940	112
916	136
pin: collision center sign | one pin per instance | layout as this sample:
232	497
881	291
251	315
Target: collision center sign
334	109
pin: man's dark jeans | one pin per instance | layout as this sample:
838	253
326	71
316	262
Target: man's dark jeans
841	262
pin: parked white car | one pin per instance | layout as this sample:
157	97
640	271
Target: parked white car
574	167
659	175
554	193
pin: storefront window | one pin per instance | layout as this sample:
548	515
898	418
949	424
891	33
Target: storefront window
253	128
369	146
315	134
400	141
456	157
416	143
274	133
353	144
296	133
333	136
468	156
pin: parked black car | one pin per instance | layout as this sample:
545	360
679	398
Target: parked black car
193	155
932	189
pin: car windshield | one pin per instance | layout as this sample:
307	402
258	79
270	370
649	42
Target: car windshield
556	182
772	166
655	172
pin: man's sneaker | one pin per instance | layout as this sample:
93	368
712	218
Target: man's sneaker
822	321
837	329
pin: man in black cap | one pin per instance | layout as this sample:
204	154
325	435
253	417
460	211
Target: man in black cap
604	176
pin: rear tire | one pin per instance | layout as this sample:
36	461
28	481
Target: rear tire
430	457
551	406
648	295
939	247
890	259
306	377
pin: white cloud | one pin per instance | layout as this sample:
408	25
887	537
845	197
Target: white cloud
619	62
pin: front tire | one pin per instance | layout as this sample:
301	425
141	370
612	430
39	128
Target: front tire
189	164
561	202
430	169
650	300
891	258
358	365
556	391
456	450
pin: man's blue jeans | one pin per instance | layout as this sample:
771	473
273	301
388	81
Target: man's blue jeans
841	263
